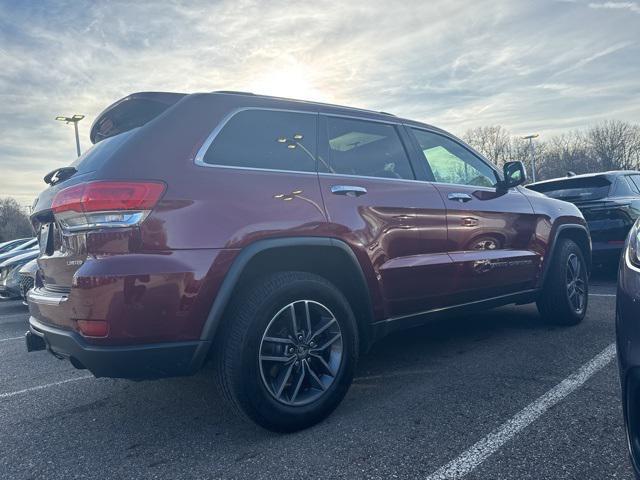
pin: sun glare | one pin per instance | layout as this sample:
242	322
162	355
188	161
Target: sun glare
290	81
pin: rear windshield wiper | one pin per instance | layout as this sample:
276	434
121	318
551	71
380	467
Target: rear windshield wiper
59	175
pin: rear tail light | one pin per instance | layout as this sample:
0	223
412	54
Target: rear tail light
105	204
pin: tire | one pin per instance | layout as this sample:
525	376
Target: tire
556	304
285	396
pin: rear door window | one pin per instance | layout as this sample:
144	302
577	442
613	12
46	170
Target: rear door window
266	139
575	189
366	148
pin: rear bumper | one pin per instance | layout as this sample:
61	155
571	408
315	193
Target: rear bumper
149	298
133	362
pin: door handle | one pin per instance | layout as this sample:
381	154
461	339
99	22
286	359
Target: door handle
469	222
349	190
459	197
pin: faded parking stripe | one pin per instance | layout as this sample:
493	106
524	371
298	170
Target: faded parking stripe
483	449
41	387
12	338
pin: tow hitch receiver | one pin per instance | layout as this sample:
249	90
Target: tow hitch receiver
34	342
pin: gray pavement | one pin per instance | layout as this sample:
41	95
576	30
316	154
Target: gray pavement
421	399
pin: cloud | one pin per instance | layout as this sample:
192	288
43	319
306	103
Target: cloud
631	6
595	56
544	65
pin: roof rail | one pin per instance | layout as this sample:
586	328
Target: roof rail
234	92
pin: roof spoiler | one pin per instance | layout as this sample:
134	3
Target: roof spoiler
131	112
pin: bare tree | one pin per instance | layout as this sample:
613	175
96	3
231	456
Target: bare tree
610	145
566	153
493	141
14	223
615	145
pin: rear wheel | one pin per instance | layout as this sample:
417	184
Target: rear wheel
565	294
288	350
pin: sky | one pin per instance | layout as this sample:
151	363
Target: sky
542	66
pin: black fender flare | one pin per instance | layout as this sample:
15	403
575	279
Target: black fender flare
233	275
551	251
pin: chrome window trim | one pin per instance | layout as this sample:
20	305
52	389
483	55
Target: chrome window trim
367	177
362	119
258	169
199	158
475	187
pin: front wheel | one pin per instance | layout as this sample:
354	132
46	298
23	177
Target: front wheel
288	351
565	295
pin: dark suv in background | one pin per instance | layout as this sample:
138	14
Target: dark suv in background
609	201
280	238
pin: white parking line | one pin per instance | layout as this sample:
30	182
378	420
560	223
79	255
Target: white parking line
602	294
483	449
12	338
392	375
41	387
15	315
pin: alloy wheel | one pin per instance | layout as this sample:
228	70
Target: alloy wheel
300	352
576	283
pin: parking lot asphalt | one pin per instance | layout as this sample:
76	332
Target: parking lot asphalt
421	400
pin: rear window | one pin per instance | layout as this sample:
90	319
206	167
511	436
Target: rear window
268	139
127	115
575	189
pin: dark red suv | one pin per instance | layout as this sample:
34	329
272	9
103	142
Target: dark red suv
280	238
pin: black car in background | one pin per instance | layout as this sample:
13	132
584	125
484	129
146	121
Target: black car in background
609	201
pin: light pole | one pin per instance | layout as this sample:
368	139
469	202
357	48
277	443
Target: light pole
532	153
75	119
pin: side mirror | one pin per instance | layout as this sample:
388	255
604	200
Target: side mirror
514	175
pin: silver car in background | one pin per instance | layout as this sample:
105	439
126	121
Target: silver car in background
27	278
10	273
